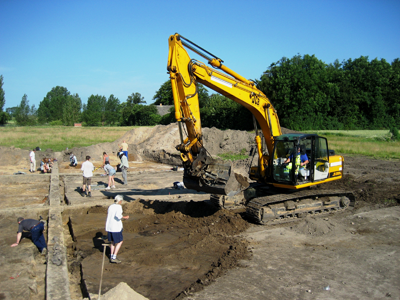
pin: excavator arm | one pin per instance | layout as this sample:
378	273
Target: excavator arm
201	171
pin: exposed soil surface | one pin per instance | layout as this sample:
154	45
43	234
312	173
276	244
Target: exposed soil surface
177	245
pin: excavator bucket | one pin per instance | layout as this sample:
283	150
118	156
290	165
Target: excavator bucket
217	178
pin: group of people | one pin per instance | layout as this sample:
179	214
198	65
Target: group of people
114	228
88	168
46	164
115	215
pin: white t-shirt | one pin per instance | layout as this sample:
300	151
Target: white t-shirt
87	168
114	216
32	155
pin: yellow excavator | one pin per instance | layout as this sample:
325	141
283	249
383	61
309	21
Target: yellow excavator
289	165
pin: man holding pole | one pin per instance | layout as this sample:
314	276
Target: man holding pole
114	228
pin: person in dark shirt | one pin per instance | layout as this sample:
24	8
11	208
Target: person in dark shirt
36	228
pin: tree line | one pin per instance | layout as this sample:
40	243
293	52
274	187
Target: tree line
307	93
354	94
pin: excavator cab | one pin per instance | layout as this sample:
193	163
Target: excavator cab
300	159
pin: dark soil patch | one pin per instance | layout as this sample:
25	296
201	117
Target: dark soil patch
169	249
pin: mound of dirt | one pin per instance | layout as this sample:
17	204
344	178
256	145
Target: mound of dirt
122	292
319	226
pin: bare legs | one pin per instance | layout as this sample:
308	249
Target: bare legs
111	181
115	248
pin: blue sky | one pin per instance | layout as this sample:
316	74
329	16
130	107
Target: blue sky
121	47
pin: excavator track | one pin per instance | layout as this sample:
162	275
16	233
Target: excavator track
281	208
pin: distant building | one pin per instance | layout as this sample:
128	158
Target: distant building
163	109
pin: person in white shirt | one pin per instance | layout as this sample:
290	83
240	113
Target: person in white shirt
114	227
73	161
32	157
87	168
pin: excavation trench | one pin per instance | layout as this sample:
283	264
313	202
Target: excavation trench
169	249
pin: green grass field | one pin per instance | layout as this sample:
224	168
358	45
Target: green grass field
374	143
58	138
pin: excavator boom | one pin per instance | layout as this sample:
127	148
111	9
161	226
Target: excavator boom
201	171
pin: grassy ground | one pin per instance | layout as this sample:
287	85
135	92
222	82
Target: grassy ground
58	138
374	143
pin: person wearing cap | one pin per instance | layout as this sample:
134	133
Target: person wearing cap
87	168
114	227
36	228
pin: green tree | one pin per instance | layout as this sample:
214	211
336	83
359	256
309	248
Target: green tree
164	94
130	110
25	115
301	90
393	95
140	115
51	107
94	111
3	115
112	110
169	117
224	113
135	98
146	115
11	111
366	88
72	110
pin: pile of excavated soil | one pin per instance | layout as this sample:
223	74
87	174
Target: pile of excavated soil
121	292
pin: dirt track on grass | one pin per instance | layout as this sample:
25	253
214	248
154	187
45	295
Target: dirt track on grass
176	245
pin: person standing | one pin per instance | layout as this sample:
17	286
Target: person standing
105	158
87	168
124	168
32	157
114	227
111	172
36	228
124	148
